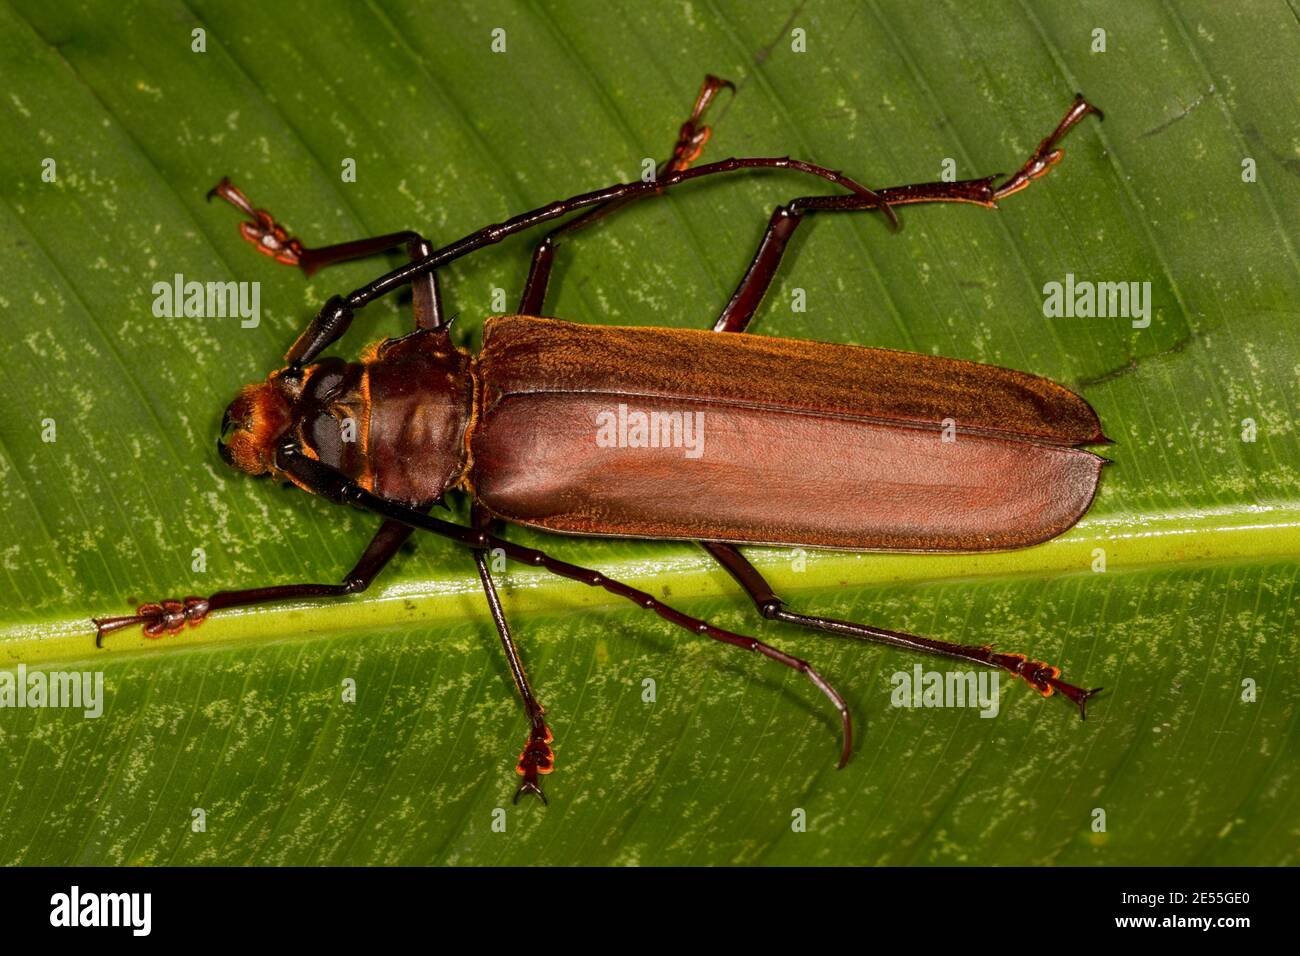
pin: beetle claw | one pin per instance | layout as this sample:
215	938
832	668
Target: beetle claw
531	786
159	619
1044	678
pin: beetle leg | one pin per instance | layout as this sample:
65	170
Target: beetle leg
690	143
270	238
171	616
537	757
1041	676
334	486
758	277
736	316
1047	155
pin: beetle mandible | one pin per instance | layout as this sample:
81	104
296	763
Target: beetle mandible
518	428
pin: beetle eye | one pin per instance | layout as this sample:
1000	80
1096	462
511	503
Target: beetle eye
234	420
227	426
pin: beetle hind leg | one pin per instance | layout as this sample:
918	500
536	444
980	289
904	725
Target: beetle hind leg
1039	675
739	311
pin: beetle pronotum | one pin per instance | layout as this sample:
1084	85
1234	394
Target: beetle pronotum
516	428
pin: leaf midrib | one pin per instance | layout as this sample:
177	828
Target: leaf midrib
1130	542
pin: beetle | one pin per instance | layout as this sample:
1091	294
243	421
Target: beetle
518	428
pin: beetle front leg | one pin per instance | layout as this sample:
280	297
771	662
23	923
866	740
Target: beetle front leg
171	616
270	238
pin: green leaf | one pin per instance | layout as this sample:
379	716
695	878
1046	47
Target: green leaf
244	718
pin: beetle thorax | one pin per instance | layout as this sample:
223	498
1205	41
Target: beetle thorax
394	422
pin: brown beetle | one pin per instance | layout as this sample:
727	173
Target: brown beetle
659	433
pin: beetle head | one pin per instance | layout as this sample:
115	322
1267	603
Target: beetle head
253	424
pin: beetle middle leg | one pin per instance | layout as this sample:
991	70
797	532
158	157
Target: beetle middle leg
337	487
537	757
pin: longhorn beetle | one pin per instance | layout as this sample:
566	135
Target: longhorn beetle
518	428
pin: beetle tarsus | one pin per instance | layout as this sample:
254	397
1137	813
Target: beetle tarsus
531	786
536	759
692	137
262	231
1047	154
1080	697
158	618
1045	679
